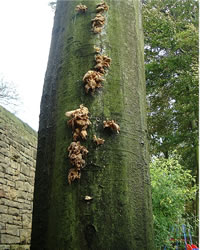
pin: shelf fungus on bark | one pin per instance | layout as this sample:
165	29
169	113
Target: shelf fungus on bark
112	125
101	7
98	141
102	63
92	80
97	50
79	122
81	8
98	23
88	198
77	153
73	175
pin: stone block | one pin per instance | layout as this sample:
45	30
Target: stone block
21	177
3	167
3	160
25	236
25	169
30	197
9	239
21	195
2	226
8	202
5	152
27	206
27	220
13	231
4	247
20	247
15	165
6	218
30	180
4	145
12	194
2	181
10	183
19	185
10	170
8	177
2	193
17	220
32	172
2	175
11	227
28	187
13	211
3	209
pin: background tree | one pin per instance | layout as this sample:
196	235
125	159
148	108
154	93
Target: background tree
116	177
171	56
53	5
9	97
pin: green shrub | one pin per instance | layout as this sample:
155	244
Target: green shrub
172	190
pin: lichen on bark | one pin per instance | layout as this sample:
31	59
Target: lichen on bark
116	175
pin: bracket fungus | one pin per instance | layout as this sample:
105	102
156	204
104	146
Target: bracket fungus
102	63
92	80
98	23
88	198
79	122
101	7
99	20
81	8
112	125
77	153
97	50
73	175
98	141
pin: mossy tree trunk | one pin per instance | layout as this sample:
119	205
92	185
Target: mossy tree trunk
116	175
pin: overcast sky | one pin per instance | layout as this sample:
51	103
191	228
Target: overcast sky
25	31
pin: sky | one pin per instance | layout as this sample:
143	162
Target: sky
25	36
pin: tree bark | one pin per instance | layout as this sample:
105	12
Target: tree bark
116	175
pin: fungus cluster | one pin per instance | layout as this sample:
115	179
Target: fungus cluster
92	80
98	23
79	122
99	20
101	7
112	125
102	63
76	155
81	8
98	141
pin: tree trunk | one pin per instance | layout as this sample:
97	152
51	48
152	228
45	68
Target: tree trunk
116	175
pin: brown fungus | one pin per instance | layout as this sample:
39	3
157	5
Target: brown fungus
112	125
73	175
102	63
88	198
77	153
79	122
98	23
97	50
101	7
81	8
98	141
92	80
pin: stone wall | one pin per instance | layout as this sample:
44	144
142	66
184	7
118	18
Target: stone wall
17	171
